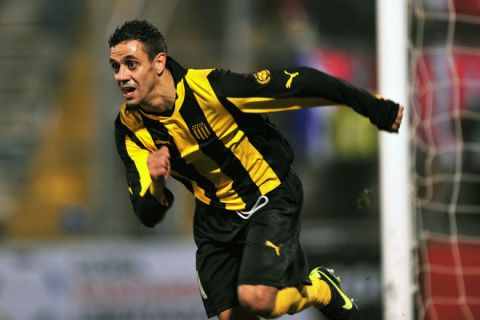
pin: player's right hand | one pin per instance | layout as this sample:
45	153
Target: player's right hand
158	164
398	120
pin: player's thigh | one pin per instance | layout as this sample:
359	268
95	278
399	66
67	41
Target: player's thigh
273	255
217	268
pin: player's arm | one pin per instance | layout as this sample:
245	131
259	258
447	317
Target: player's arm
302	87
146	176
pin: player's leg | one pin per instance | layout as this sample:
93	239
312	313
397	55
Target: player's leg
274	277
258	299
219	236
323	292
271	302
274	267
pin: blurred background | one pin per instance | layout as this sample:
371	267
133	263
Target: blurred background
71	246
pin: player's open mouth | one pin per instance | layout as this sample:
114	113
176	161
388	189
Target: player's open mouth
128	91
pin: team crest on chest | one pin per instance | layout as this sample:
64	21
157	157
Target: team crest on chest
262	77
201	131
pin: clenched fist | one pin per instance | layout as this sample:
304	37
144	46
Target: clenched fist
398	121
158	164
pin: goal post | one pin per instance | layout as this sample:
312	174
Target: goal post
396	203
444	56
429	59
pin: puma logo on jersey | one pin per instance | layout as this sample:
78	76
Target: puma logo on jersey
288	85
270	244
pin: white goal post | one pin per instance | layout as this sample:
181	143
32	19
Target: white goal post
396	203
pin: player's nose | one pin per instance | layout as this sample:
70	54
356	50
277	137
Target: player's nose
122	74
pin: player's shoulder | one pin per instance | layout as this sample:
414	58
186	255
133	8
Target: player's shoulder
128	119
193	73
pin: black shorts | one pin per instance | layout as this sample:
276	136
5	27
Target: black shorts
264	249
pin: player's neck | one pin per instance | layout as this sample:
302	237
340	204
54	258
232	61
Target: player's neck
163	95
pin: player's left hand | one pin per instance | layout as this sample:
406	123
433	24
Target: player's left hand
398	121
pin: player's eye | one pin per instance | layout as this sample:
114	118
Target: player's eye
131	65
115	67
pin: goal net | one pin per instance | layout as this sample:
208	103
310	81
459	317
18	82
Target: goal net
444	52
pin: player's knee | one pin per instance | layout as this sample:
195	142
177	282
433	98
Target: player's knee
257	299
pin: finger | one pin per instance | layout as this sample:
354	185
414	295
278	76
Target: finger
158	156
160	168
164	151
399	119
400	113
158	163
164	165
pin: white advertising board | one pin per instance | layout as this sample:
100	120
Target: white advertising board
118	280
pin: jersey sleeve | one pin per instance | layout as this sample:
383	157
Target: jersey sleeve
301	87
147	207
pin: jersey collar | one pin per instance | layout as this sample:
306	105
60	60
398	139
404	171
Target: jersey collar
178	72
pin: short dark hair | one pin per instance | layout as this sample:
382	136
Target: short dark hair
152	39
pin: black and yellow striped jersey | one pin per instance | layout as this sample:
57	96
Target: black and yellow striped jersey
222	146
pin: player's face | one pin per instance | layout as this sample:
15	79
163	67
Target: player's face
133	71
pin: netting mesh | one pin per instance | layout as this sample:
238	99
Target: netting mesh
444	52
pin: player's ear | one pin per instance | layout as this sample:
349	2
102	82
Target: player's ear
160	62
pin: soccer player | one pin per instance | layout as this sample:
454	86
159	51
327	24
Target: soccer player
208	130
